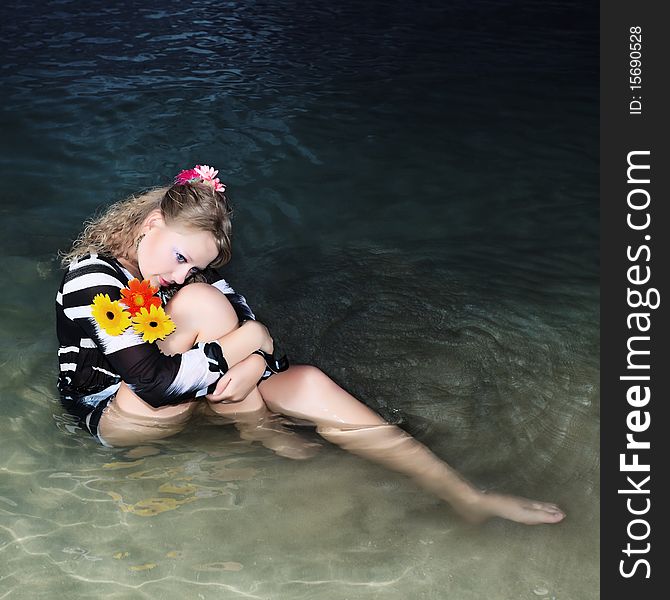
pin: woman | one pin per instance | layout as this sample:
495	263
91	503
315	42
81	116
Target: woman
135	372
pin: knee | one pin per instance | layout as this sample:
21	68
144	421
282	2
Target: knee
200	307
294	391
309	382
312	377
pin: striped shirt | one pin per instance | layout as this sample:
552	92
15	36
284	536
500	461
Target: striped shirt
93	363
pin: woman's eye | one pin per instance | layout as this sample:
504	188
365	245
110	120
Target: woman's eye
181	258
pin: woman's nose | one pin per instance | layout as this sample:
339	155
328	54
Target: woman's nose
180	274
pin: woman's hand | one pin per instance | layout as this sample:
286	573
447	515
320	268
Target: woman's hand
238	381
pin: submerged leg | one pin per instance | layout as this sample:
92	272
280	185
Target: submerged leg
307	393
256	423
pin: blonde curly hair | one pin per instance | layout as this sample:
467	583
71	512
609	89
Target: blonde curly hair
194	205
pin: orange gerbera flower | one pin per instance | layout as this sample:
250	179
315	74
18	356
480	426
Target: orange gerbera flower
139	294
153	324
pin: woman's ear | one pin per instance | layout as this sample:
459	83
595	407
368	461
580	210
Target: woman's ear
153	219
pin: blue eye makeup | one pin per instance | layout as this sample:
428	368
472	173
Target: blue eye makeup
181	259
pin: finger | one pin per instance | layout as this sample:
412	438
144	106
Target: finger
218	397
225	394
221	386
226	401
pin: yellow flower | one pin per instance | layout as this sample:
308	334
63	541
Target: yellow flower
153	324
110	315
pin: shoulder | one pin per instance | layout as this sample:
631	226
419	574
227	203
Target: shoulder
96	269
93	262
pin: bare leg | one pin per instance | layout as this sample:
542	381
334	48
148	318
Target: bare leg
306	393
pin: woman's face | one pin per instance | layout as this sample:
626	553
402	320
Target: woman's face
168	254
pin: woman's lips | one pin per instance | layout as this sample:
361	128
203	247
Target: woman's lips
162	282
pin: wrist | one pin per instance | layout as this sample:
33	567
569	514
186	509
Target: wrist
258	360
272	364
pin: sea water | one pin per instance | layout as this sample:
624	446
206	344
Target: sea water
416	212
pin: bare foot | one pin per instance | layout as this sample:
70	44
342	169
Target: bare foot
485	506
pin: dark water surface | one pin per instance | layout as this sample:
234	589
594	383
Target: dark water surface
416	211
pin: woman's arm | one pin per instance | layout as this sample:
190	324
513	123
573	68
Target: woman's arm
241	343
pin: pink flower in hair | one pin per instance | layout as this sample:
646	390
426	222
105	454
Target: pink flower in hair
206	172
203	173
218	186
209	174
187	176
